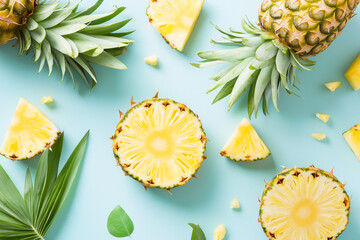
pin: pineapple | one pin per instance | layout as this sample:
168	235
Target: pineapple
352	137
152	60
29	134
63	36
304	204
245	144
265	58
220	232
318	136
48	99
160	143
323	117
174	19
332	86
353	74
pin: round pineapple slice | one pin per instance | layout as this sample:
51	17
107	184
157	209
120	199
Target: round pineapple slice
174	19
304	204
160	143
29	134
245	144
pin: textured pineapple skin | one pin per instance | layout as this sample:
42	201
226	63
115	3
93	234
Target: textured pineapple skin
286	172
353	74
308	27
13	15
124	168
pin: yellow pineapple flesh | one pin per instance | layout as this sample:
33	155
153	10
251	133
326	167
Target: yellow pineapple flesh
353	74
174	19
352	137
29	134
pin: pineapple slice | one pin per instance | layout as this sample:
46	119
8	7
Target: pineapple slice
304	203
174	19
332	86
160	143
318	136
352	137
48	99
235	204
353	74
245	144
29	134
151	60
323	117
220	232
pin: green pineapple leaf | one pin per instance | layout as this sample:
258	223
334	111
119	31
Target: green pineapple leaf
30	217
197	233
119	223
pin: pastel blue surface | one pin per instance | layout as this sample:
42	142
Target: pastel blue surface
156	214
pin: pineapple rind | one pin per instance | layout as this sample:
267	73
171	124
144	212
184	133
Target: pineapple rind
30	153
284	173
137	178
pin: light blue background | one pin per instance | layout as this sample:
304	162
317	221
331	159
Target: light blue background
156	214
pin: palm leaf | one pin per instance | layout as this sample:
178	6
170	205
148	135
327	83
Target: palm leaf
30	216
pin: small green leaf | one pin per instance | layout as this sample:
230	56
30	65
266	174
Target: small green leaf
197	233
119	223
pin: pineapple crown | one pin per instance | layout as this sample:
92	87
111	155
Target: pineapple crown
74	39
258	62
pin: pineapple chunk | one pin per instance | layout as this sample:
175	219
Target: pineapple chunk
220	232
174	19
332	86
353	74
352	137
29	134
235	203
152	60
323	117
48	99
319	136
245	144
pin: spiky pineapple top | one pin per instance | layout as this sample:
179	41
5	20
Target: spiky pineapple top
62	35
265	58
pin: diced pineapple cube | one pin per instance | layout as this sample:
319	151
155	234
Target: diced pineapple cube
152	60
48	99
235	203
220	232
319	136
332	86
353	74
323	117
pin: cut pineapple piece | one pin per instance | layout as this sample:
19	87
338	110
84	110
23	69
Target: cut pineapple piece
220	232
29	134
160	143
318	136
323	117
152	60
352	137
332	86
48	99
304	203
353	74
245	144
174	19
235	203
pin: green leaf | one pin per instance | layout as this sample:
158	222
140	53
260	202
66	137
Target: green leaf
119	223
104	29
225	91
197	233
89	10
107	60
45	10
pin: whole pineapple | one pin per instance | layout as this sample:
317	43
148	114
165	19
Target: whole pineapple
62	35
266	58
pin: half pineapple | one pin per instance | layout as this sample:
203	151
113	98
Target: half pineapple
304	204
174	19
29	134
245	144
160	143
352	137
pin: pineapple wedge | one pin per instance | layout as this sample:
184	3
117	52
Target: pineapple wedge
332	86
245	144
220	232
323	117
352	137
319	136
353	74
174	19
29	134
48	99
151	60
